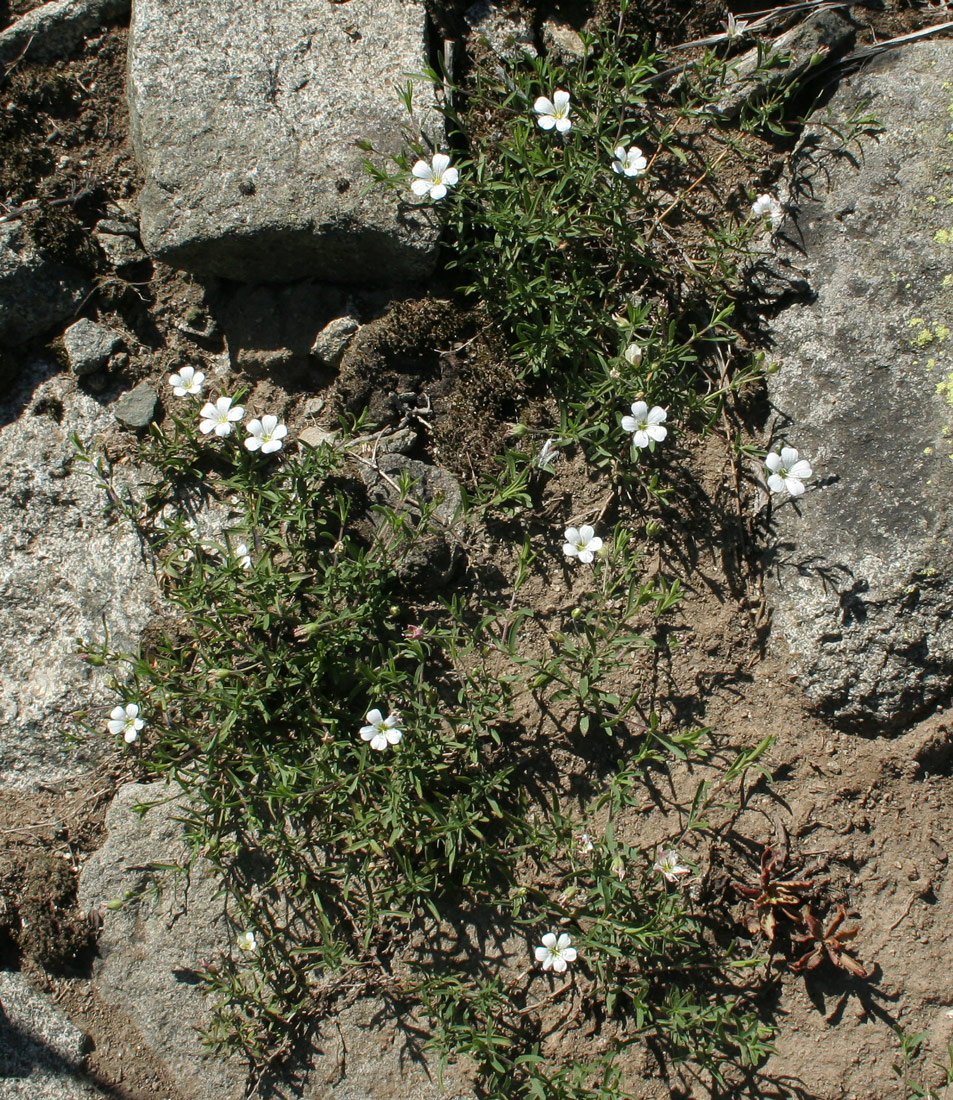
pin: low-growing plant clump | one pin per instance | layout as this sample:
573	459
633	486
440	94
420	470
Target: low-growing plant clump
367	761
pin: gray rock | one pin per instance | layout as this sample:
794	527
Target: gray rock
41	1052
35	292
53	30
507	34
89	345
151	947
790	55
563	44
120	249
434	507
332	341
244	118
136	408
40	1021
863	563
65	570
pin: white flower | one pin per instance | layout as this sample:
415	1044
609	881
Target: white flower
265	434
554	112
646	424
734	27
187	381
125	720
243	555
787	471
669	866
581	542
548	454
246	942
381	731
767	206
584	843
220	417
633	354
629	162
433	178
556	953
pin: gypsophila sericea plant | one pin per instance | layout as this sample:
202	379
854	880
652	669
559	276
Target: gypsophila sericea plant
787	472
381	731
247	942
582	543
646	425
629	162
220	417
187	381
670	866
266	435
435	178
553	112
126	721
767	208
556	952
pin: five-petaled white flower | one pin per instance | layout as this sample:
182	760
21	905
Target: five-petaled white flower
629	162
243	555
584	843
554	112
433	179
247	942
582	543
220	417
125	720
556	953
381	731
632	354
787	471
768	207
188	380
265	434
645	424
669	866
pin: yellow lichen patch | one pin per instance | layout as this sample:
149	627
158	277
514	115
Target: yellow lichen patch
943	236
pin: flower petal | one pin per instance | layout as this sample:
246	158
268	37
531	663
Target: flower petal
546	122
640	410
776	483
772	461
420	187
563	124
801	469
451	177
549	940
586	532
544	106
375	717
441	162
422	170
788	456
438	191
794	486
561	99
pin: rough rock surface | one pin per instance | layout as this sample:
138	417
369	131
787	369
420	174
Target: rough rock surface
244	118
89	345
151	948
136	408
35	293
436	492
40	1049
862	565
149	951
53	29
64	568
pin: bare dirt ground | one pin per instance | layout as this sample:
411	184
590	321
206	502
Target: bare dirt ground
864	819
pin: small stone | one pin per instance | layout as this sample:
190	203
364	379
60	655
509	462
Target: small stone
332	341
315	437
120	249
89	346
136	408
123	225
563	44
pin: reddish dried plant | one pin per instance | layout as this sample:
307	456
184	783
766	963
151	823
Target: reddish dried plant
830	942
774	894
